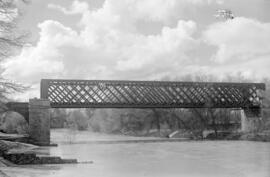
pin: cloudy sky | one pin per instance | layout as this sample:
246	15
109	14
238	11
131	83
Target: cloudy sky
141	40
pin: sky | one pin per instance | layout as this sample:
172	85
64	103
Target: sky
140	40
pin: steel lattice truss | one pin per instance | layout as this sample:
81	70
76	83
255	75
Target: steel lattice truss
150	94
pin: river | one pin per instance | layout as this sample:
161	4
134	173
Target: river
187	158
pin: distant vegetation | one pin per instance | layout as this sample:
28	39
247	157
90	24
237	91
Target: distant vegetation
143	122
157	122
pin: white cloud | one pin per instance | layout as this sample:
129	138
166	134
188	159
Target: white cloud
242	45
77	7
239	39
215	1
160	51
45	59
154	10
108	45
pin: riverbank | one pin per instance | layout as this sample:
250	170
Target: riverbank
76	136
23	154
254	136
263	136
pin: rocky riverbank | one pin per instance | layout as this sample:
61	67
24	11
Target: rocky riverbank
254	136
22	154
263	136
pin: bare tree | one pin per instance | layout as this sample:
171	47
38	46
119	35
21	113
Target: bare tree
11	41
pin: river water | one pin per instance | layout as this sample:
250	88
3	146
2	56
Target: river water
187	158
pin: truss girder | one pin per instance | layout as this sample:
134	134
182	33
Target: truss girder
150	94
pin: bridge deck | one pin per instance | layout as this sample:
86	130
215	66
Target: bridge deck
150	94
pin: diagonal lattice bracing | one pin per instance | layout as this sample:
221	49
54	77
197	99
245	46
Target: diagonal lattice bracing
150	94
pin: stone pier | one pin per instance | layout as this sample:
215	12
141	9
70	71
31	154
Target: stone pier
39	121
249	122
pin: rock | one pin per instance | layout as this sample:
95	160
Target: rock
13	122
32	158
15	146
221	135
22	154
256	137
14	137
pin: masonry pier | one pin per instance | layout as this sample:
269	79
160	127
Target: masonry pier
39	121
250	122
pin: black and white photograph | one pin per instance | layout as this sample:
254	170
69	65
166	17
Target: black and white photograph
134	88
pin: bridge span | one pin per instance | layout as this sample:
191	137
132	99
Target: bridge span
55	93
150	94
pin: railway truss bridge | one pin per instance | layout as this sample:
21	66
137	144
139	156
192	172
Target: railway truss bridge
137	94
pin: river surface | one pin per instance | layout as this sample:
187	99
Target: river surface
172	159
